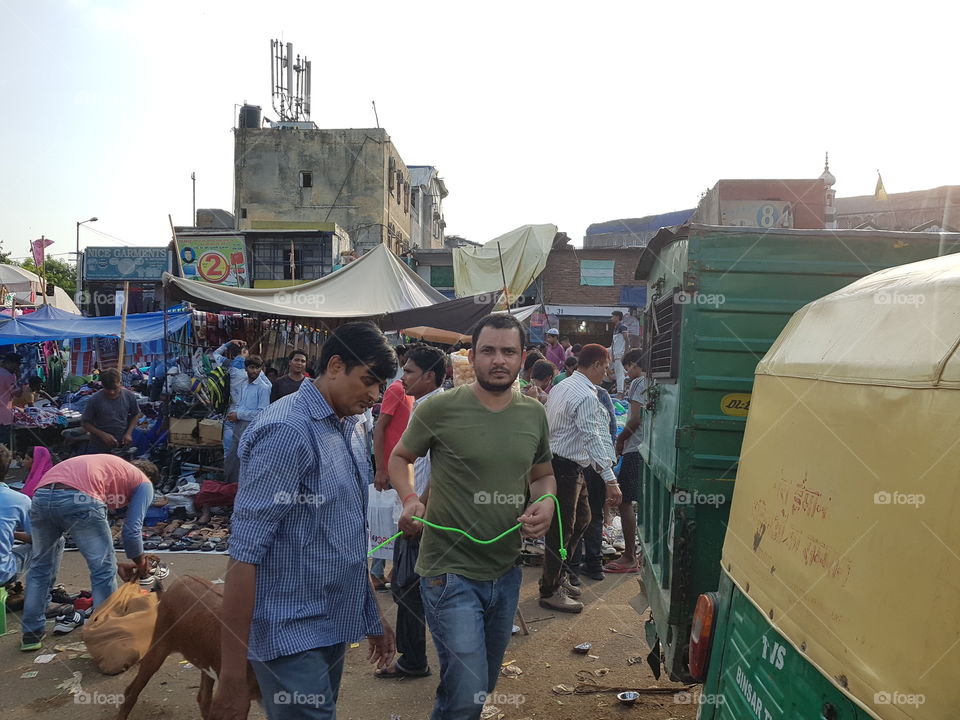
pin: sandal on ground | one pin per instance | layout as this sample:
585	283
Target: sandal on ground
395	672
620	569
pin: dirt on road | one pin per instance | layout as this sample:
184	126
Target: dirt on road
544	658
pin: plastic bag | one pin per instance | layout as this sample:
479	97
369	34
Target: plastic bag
383	511
118	633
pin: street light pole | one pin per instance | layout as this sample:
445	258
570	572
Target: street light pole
78	293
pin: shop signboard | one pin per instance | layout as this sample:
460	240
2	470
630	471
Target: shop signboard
214	259
125	263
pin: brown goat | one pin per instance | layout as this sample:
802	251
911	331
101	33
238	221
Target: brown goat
188	622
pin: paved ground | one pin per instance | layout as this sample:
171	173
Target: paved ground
544	657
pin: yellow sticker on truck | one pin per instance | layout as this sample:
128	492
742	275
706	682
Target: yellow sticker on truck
735	404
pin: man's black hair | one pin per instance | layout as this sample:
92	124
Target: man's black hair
253	360
499	321
401	350
543	370
618	314
570	362
360	343
294	353
429	358
633	357
531	359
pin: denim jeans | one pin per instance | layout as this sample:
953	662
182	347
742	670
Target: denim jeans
304	686
471	623
53	513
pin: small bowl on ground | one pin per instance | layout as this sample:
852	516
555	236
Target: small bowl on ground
628	697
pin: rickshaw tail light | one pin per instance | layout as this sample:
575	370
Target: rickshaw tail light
701	635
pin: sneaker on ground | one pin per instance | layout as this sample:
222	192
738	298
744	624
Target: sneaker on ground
60	596
561	602
68	623
608	549
158	571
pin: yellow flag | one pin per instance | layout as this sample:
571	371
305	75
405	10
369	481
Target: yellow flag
881	192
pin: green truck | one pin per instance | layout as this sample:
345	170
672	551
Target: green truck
718	298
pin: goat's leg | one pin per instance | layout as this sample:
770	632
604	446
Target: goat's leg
205	694
149	665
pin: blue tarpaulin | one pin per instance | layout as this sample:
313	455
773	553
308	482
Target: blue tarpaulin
634	296
48	323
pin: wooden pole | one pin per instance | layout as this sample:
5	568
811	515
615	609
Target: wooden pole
503	274
123	324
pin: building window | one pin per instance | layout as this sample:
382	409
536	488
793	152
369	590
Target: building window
392	172
243	213
413	197
271	259
597	273
306	179
441	276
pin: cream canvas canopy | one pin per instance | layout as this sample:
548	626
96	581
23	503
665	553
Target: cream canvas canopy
523	252
378	283
844	526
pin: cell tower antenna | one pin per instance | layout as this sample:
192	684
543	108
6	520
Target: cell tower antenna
289	82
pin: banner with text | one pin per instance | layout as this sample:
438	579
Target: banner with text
214	259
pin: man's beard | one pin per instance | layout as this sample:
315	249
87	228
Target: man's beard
496	387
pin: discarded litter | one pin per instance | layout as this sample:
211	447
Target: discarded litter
354	645
508	662
511	671
44	659
515	630
72	685
563	689
30	674
626	635
635	659
629	697
491	712
582	648
71	647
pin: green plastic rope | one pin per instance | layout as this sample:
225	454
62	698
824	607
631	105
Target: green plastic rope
562	551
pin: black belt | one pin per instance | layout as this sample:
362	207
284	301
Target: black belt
560	459
60	486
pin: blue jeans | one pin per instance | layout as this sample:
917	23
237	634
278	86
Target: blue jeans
378	567
471	623
53	513
304	686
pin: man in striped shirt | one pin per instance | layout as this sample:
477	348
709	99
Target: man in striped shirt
579	439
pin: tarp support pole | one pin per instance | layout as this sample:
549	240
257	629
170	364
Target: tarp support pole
123	324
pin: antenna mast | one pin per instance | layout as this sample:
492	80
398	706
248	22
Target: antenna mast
289	83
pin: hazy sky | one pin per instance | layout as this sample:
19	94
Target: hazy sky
534	112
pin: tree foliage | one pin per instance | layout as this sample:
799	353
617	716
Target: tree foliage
58	272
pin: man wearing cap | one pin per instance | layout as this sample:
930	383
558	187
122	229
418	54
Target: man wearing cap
9	369
555	351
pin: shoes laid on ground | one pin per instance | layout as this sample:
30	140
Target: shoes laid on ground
593	574
68	623
60	595
572	590
561	602
31	641
573	578
608	549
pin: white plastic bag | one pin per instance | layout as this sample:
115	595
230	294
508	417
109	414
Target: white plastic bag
383	511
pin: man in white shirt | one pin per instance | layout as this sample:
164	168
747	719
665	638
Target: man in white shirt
618	346
579	438
423	375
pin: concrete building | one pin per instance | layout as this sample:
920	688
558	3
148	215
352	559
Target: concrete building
935	210
427	191
580	288
797	204
293	174
631	232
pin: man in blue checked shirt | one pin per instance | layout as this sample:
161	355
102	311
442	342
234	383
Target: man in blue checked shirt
297	589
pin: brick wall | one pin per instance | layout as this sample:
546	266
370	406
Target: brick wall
561	277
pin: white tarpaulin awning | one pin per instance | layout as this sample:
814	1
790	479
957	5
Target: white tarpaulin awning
376	284
524	252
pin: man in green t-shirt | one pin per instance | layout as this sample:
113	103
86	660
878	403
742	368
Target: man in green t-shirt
490	453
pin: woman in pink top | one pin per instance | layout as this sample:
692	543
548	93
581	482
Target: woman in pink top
38	463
